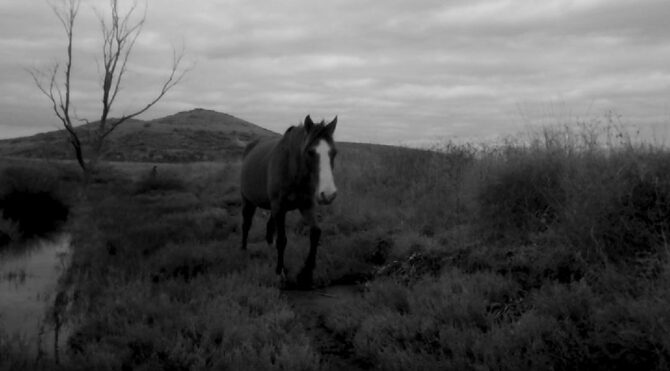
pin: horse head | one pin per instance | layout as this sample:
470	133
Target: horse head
319	153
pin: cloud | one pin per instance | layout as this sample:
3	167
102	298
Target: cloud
393	70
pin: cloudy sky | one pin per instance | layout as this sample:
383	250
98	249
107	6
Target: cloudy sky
394	71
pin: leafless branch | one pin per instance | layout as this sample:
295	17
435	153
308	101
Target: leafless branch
120	32
119	37
38	77
173	79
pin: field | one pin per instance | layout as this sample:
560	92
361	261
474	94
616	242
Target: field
543	254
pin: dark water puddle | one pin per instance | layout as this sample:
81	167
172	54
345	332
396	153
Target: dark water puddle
28	284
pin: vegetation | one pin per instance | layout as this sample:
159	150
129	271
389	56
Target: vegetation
556	258
544	254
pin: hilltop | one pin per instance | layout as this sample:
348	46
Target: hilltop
195	135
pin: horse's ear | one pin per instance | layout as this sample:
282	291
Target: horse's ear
308	123
330	129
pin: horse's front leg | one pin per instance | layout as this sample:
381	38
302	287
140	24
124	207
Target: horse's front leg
279	217
305	276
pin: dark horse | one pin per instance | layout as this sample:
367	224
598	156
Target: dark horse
288	173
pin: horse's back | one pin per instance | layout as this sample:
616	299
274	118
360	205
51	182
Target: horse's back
254	174
249	147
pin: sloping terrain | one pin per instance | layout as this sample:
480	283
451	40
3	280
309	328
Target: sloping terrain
196	135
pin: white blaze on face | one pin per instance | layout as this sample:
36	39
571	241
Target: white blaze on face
326	184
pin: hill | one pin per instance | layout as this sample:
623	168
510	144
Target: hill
196	135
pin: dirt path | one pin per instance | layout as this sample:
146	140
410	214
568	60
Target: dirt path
312	305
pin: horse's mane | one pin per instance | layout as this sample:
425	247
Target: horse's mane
298	133
316	132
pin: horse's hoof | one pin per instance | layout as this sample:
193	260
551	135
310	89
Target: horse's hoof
281	272
305	280
283	279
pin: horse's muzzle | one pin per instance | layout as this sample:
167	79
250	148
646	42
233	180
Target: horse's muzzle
325	199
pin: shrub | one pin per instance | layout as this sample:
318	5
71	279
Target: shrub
521	194
609	203
619	205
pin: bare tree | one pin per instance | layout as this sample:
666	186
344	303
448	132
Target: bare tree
119	34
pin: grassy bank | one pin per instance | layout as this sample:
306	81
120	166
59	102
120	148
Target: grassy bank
549	253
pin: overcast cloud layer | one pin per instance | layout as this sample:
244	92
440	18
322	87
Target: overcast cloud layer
394	71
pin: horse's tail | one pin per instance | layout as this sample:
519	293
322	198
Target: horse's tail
249	147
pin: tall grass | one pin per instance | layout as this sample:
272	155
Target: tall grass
563	263
419	189
609	200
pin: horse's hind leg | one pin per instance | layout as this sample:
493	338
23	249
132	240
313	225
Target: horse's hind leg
248	209
270	230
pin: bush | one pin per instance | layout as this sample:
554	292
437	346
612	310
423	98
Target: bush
619	205
639	220
522	193
608	203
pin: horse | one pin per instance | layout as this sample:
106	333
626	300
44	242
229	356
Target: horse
292	172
